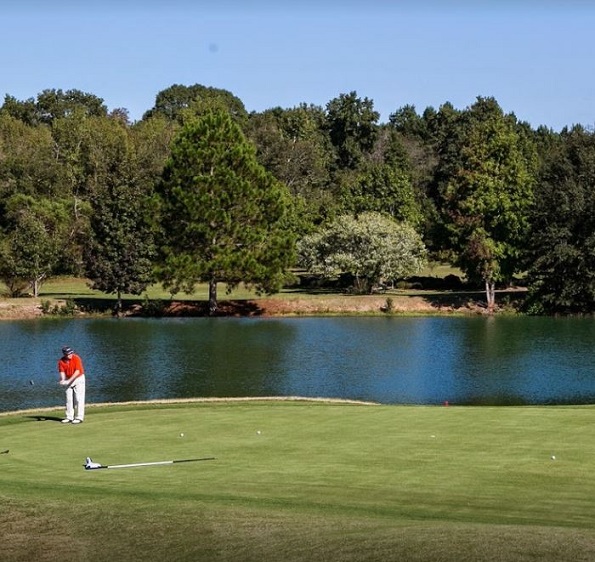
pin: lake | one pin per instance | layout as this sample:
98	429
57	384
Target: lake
388	359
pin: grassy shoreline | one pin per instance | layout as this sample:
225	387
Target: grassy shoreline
74	297
301	480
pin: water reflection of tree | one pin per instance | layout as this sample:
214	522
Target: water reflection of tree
222	356
520	360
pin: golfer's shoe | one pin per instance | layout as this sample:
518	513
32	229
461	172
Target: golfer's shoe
77	421
66	420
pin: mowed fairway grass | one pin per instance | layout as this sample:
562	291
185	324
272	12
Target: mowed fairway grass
321	481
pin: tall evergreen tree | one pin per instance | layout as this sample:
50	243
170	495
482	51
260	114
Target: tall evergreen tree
224	217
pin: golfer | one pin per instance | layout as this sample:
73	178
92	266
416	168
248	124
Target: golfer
72	376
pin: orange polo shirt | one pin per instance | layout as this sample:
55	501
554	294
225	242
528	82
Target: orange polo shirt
69	366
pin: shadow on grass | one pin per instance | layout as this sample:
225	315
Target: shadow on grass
45	418
168	308
512	299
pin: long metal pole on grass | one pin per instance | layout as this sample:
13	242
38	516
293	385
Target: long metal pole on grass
90	465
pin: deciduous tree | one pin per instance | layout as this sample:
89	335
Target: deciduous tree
34	241
52	104
488	174
384	189
352	123
562	243
371	247
118	255
179	103
293	146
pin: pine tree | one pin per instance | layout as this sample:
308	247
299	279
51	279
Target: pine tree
224	217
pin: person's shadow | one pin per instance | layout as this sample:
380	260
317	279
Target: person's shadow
45	418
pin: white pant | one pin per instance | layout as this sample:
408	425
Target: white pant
75	396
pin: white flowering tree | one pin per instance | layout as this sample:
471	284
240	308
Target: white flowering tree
371	247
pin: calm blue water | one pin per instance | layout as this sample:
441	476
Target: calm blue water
390	360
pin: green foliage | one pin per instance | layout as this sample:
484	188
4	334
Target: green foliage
383	189
153	308
181	103
370	247
353	128
224	217
562	260
53	104
407	121
69	308
27	160
118	256
151	140
36	237
487	193
463	178
293	145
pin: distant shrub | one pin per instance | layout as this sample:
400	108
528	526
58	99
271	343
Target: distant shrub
153	307
69	308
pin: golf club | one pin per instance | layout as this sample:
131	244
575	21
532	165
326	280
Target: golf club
4	452
90	465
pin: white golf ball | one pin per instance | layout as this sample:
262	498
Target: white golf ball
258	432
181	435
553	457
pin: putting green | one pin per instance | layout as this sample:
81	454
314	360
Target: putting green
300	480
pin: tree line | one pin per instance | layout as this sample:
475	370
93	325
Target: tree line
201	190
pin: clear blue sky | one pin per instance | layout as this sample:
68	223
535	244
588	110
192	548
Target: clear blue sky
536	57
